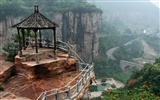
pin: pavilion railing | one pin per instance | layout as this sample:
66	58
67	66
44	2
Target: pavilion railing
43	41
47	43
70	91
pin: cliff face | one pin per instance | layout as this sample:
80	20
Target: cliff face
6	29
82	30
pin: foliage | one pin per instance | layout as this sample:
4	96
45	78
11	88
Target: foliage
109	68
149	76
127	52
24	7
92	88
11	50
144	84
103	80
141	93
1	88
114	37
105	67
11	8
113	85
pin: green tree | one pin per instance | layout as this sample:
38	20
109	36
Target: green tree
11	50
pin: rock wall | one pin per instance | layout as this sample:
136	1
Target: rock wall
46	70
82	30
6	29
5	69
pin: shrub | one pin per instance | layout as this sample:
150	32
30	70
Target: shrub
113	85
1	88
103	80
11	51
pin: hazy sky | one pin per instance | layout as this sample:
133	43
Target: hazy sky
156	2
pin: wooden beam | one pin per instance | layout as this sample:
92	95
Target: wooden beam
35	31
40	36
23	38
55	43
36	42
19	40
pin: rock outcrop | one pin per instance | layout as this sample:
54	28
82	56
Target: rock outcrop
80	29
47	67
5	69
6	30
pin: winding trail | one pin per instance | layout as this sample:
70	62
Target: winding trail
110	52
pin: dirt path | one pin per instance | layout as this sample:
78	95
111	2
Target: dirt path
148	50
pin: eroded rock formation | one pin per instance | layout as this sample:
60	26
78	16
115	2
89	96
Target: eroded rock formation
6	30
5	69
82	30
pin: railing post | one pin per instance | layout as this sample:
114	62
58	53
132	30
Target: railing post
68	48
92	67
77	66
77	86
69	92
57	95
45	96
82	79
85	77
89	70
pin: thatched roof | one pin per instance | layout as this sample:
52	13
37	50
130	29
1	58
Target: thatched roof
36	21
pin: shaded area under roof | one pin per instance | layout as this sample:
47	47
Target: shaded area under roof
36	21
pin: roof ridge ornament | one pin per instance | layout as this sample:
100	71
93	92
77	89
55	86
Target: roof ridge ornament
36	9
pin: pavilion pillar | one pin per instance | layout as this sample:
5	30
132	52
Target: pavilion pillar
55	44
23	39
40	40
20	47
37	59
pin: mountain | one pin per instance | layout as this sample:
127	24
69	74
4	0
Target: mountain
138	15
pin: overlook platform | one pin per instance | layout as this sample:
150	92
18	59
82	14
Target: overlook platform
44	55
49	79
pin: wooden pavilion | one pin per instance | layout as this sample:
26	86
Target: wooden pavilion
35	22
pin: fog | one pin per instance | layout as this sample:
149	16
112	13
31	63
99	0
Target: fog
137	14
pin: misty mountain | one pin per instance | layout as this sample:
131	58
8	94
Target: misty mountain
138	15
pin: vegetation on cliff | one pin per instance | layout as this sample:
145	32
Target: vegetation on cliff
11	49
11	8
128	52
114	37
143	84
23	7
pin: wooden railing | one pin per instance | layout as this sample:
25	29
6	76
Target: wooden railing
69	91
69	48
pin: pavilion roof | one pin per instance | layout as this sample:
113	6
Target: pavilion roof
36	21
